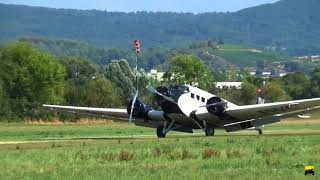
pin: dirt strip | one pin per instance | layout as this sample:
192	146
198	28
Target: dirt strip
200	135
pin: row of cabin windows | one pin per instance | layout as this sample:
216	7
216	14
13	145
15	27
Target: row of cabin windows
198	97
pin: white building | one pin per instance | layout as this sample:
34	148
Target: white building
282	74
266	74
156	75
229	85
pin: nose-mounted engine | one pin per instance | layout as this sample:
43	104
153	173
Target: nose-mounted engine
164	91
140	109
167	98
216	106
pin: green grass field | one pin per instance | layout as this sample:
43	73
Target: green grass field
243	56
59	152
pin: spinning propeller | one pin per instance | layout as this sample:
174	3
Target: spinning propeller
136	44
132	105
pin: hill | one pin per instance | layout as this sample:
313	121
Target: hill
217	57
289	25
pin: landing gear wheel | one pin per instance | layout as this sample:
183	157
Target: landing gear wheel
260	131
209	131
160	133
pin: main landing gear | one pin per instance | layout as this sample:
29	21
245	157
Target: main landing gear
209	131
164	129
160	133
259	129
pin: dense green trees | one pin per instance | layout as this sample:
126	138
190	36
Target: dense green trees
79	73
189	69
101	93
30	78
296	85
78	69
85	86
248	93
274	92
119	72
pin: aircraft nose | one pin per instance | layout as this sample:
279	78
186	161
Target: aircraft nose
165	92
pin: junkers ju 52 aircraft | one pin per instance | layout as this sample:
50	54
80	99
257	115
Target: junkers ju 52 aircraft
185	108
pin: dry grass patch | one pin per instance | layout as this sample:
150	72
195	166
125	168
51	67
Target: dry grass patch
108	157
82	121
208	153
233	153
185	154
126	155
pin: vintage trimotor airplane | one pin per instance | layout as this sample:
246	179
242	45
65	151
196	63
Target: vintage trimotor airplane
185	108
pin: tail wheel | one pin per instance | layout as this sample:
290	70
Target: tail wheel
209	131
160	133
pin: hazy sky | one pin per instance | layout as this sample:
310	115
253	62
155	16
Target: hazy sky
148	5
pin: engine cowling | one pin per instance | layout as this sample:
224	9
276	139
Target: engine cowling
140	109
164	91
216	106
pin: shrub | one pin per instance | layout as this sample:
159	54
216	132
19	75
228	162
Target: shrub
126	156
267	152
81	155
108	156
185	154
208	153
233	153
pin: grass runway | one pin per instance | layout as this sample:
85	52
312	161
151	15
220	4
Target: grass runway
123	151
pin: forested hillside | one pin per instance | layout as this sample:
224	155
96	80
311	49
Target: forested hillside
221	57
288	25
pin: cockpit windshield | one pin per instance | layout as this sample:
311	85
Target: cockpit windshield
177	90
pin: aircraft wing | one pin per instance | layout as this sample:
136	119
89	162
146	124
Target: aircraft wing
117	114
262	114
266	120
265	110
243	117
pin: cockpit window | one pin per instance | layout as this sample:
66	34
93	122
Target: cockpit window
203	99
192	95
198	97
177	91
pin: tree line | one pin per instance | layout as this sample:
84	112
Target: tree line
30	77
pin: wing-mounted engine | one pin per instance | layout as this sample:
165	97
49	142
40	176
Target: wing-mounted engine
216	106
140	109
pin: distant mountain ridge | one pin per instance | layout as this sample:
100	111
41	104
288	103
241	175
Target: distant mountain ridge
288	25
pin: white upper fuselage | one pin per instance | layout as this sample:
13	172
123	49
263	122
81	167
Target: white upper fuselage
196	99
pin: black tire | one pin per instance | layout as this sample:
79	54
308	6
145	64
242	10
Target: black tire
209	131
260	131
160	133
